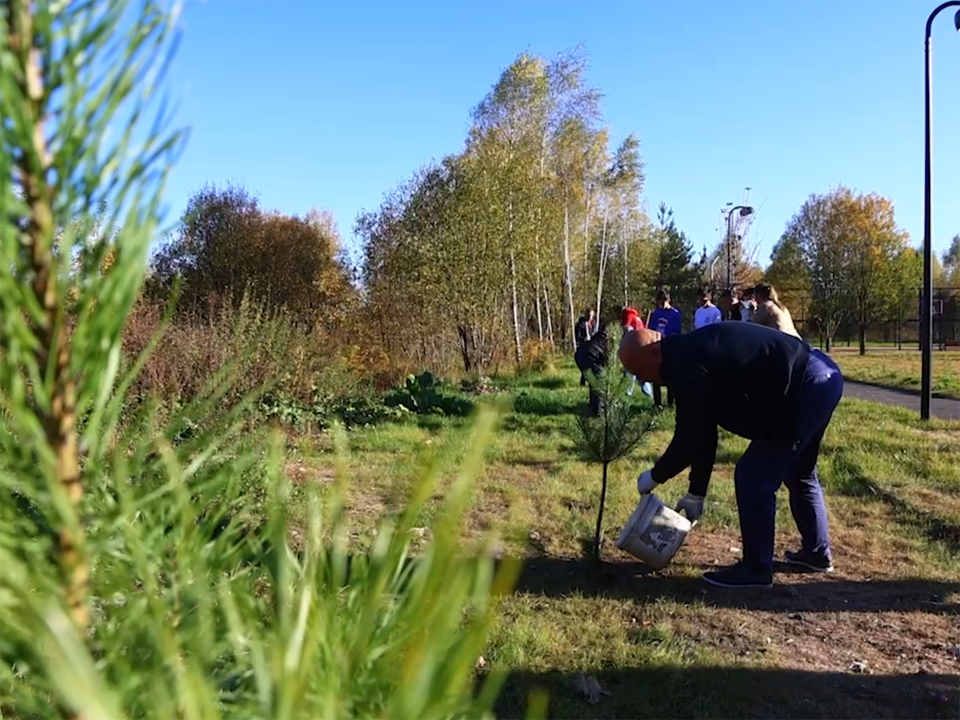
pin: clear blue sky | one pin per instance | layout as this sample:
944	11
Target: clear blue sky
331	104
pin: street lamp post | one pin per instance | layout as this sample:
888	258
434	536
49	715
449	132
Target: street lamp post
743	210
926	308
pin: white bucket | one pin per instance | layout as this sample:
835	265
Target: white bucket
654	532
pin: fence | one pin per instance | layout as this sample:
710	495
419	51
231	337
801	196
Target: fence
902	332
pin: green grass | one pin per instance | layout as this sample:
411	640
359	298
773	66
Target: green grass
902	369
661	643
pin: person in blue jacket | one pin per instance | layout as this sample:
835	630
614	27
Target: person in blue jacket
763	385
665	320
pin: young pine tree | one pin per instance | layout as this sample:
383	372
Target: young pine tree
617	429
129	586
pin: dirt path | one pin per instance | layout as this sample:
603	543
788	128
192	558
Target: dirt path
941	408
857	643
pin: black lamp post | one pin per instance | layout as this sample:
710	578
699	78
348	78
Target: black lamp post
926	307
744	210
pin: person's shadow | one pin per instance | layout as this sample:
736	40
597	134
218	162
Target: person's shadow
559	577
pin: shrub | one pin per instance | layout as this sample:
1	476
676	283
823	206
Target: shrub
357	410
423	395
226	245
539	357
265	348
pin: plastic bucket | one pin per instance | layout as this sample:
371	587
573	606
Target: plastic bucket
654	532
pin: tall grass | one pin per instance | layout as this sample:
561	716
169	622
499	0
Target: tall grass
267	348
136	578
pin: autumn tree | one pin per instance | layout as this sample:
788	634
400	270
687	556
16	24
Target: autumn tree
505	143
226	245
467	247
515	233
816	231
849	243
621	188
951	264
874	241
633	266
906	277
788	274
402	308
737	259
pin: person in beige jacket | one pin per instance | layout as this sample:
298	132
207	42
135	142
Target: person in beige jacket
771	312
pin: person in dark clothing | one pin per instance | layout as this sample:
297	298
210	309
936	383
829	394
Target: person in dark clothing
760	384
583	331
729	305
592	357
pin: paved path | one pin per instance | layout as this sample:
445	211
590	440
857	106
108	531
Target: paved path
942	408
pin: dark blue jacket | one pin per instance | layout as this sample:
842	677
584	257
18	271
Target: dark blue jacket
742	377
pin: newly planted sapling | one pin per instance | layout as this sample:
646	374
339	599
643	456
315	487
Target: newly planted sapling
620	424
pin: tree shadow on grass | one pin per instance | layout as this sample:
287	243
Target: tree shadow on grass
735	692
537	424
559	577
554	382
550	404
935	529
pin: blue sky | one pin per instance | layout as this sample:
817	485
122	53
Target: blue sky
331	104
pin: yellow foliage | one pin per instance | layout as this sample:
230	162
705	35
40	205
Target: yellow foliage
539	356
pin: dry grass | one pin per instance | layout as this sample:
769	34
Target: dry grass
902	369
663	644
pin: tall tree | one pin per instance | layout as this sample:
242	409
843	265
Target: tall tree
849	243
873	241
622	186
569	171
506	138
490	234
789	275
818	233
675	268
906	278
951	263
225	246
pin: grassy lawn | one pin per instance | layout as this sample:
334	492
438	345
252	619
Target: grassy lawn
877	638
902	369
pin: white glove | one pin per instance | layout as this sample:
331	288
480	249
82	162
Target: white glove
646	483
692	505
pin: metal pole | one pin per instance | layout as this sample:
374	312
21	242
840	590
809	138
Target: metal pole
926	307
729	243
729	246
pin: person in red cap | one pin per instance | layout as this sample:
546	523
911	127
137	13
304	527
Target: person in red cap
630	319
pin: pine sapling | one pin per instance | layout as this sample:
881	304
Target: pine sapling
618	428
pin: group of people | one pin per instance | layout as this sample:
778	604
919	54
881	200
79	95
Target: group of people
756	379
759	304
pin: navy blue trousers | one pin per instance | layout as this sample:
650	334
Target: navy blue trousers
765	466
